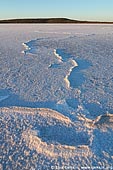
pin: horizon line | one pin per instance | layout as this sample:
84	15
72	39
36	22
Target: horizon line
48	18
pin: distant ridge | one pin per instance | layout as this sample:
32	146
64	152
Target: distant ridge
50	21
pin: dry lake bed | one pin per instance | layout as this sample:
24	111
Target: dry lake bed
56	96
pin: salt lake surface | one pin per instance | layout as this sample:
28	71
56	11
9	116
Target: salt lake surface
56	95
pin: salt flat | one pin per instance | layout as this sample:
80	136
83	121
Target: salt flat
56	96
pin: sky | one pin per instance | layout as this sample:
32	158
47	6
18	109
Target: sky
101	10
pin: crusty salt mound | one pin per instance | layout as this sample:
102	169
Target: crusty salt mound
34	138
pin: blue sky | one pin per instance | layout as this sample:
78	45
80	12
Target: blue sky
101	10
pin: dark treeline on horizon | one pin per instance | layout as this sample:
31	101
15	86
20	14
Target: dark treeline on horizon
51	20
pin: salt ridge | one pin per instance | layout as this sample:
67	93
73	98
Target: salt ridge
26	48
58	56
74	64
70	70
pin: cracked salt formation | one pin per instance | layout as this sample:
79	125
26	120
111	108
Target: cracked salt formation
75	127
53	136
66	79
57	55
62	57
27	48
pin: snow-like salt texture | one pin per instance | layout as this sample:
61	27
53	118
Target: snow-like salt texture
56	96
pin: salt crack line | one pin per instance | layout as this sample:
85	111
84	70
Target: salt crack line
70	70
58	56
74	64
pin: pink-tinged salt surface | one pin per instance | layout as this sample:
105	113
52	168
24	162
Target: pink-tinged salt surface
56	96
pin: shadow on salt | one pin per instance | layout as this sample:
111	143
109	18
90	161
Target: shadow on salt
8	99
77	77
95	109
64	135
31	47
4	94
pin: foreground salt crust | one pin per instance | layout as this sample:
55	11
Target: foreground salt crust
55	137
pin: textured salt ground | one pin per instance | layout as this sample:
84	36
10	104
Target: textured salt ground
33	138
75	76
89	128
